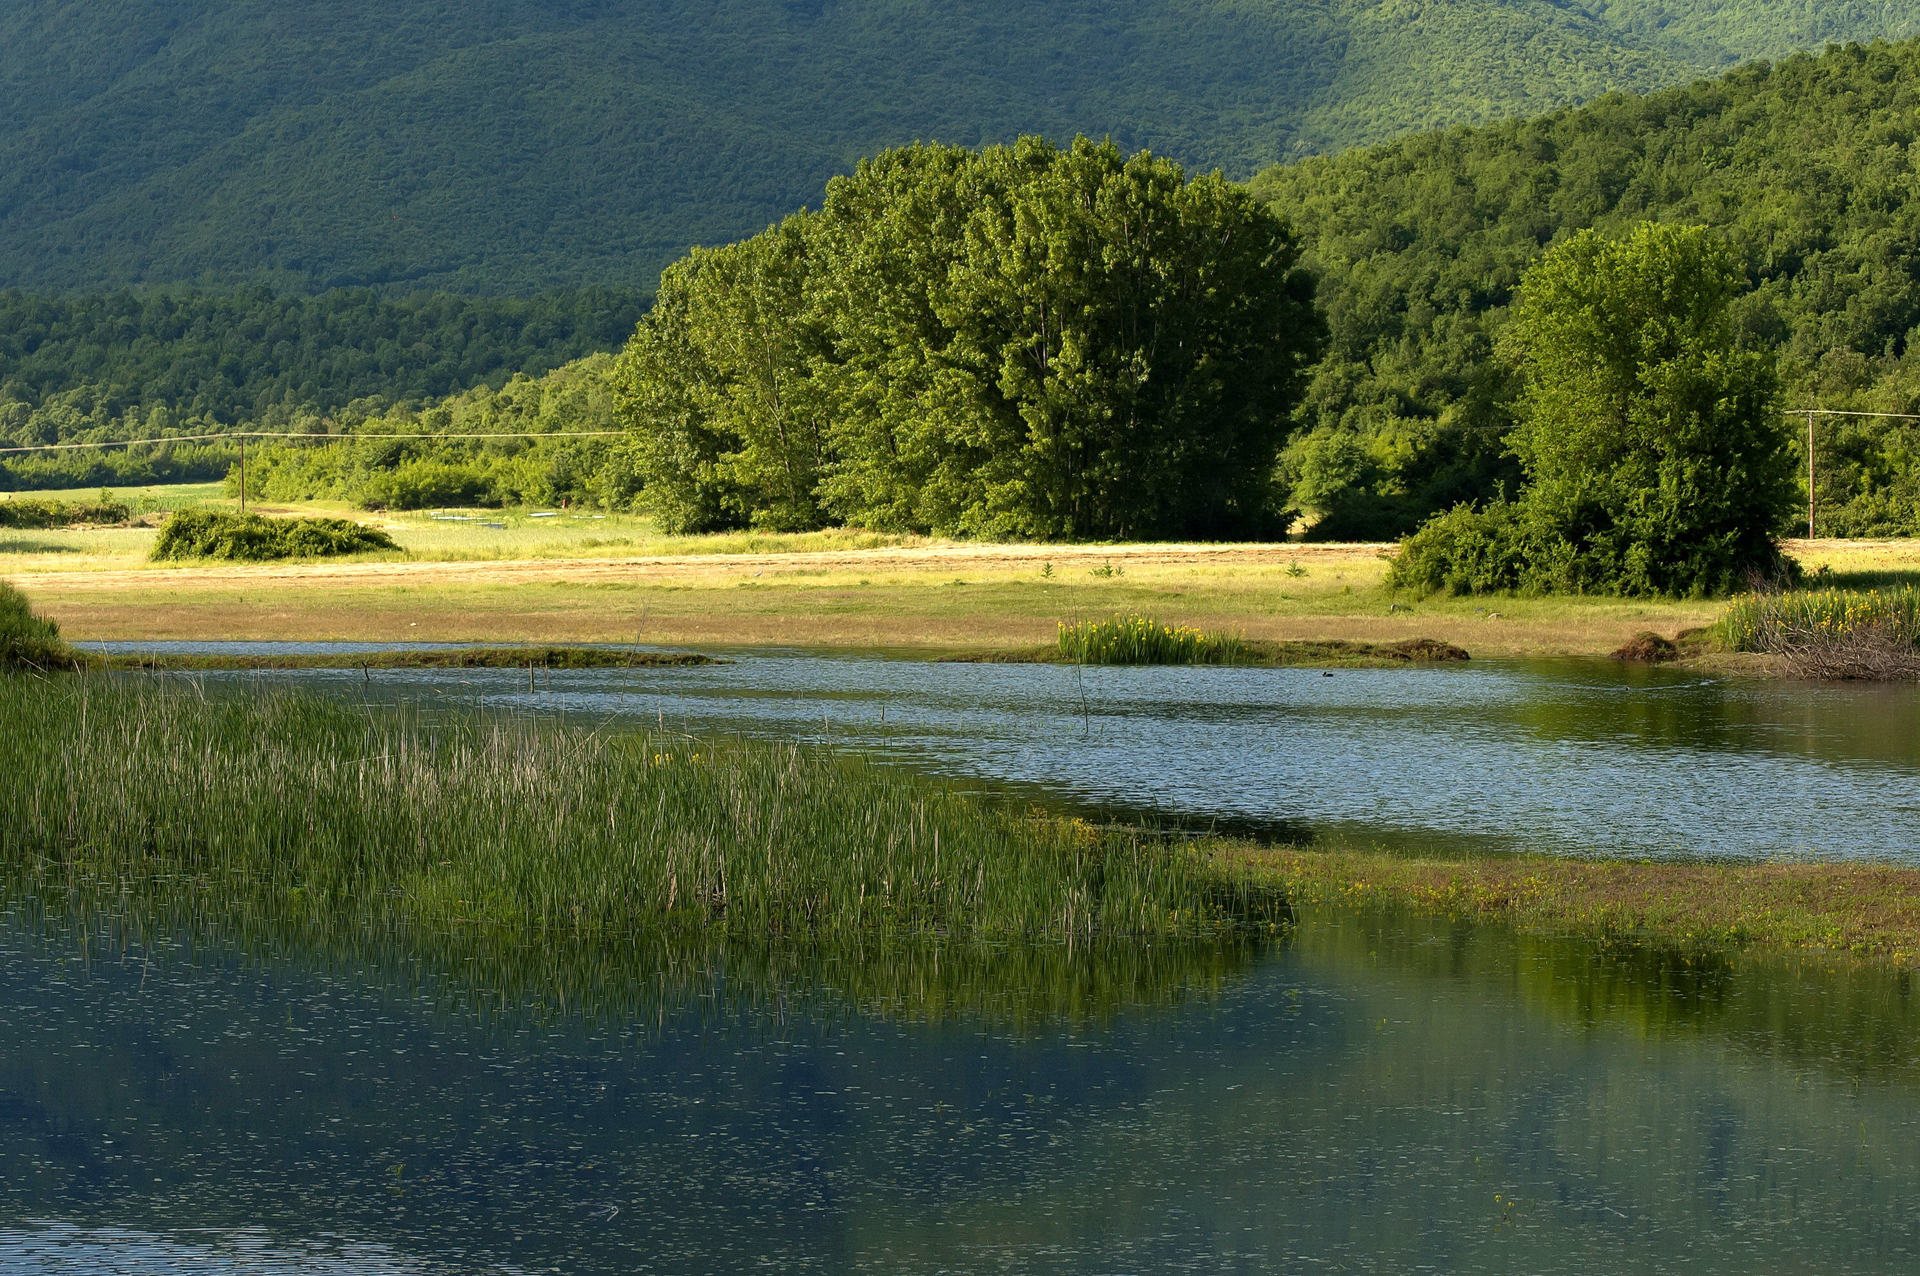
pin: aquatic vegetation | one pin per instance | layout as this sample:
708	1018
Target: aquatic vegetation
1830	633
27	640
223	534
293	807
1141	640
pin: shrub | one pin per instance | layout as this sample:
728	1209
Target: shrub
1465	551
43	513
1138	640
204	533
28	641
432	484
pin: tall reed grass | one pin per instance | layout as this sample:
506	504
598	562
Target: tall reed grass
1832	633
1141	640
311	811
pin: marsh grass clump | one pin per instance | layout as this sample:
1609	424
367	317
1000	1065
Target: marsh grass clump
294	807
223	534
1141	640
1830	633
29	641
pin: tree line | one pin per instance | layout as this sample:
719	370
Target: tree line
1804	166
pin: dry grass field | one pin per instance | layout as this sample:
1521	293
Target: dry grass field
563	576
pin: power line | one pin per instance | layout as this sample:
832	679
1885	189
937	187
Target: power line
1812	414
315	438
1890	416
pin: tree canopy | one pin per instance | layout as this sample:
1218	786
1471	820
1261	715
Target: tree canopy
1654	453
1027	341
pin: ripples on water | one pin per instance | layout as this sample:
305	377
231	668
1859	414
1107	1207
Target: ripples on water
1566	757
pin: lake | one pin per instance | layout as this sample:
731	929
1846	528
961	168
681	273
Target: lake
1371	1093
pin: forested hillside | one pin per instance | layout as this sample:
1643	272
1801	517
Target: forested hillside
1807	166
70	364
515	145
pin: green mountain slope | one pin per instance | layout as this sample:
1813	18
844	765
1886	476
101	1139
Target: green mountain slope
1810	166
514	145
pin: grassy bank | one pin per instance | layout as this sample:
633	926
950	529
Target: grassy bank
294	807
1865	911
29	641
523	657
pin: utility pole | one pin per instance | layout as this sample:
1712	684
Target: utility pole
243	469
1811	498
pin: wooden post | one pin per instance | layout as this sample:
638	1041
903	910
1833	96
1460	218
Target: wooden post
1811	498
243	474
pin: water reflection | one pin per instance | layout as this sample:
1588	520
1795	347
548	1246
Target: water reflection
1378	1096
1564	757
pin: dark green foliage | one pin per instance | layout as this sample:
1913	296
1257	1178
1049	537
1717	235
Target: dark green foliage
1023	341
134	466
30	513
1868	469
1805	167
405	473
1469	551
1652	444
205	533
28	641
510	144
144	365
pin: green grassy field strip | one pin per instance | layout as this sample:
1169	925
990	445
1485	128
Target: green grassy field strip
1865	911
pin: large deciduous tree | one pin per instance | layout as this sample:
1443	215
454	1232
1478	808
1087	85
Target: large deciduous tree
1025	341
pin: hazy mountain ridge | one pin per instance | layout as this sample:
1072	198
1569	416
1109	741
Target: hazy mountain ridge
513	145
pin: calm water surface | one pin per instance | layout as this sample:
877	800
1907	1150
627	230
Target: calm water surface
1575	758
1372	1097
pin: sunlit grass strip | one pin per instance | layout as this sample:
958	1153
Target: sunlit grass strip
292	806
1863	910
1141	640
